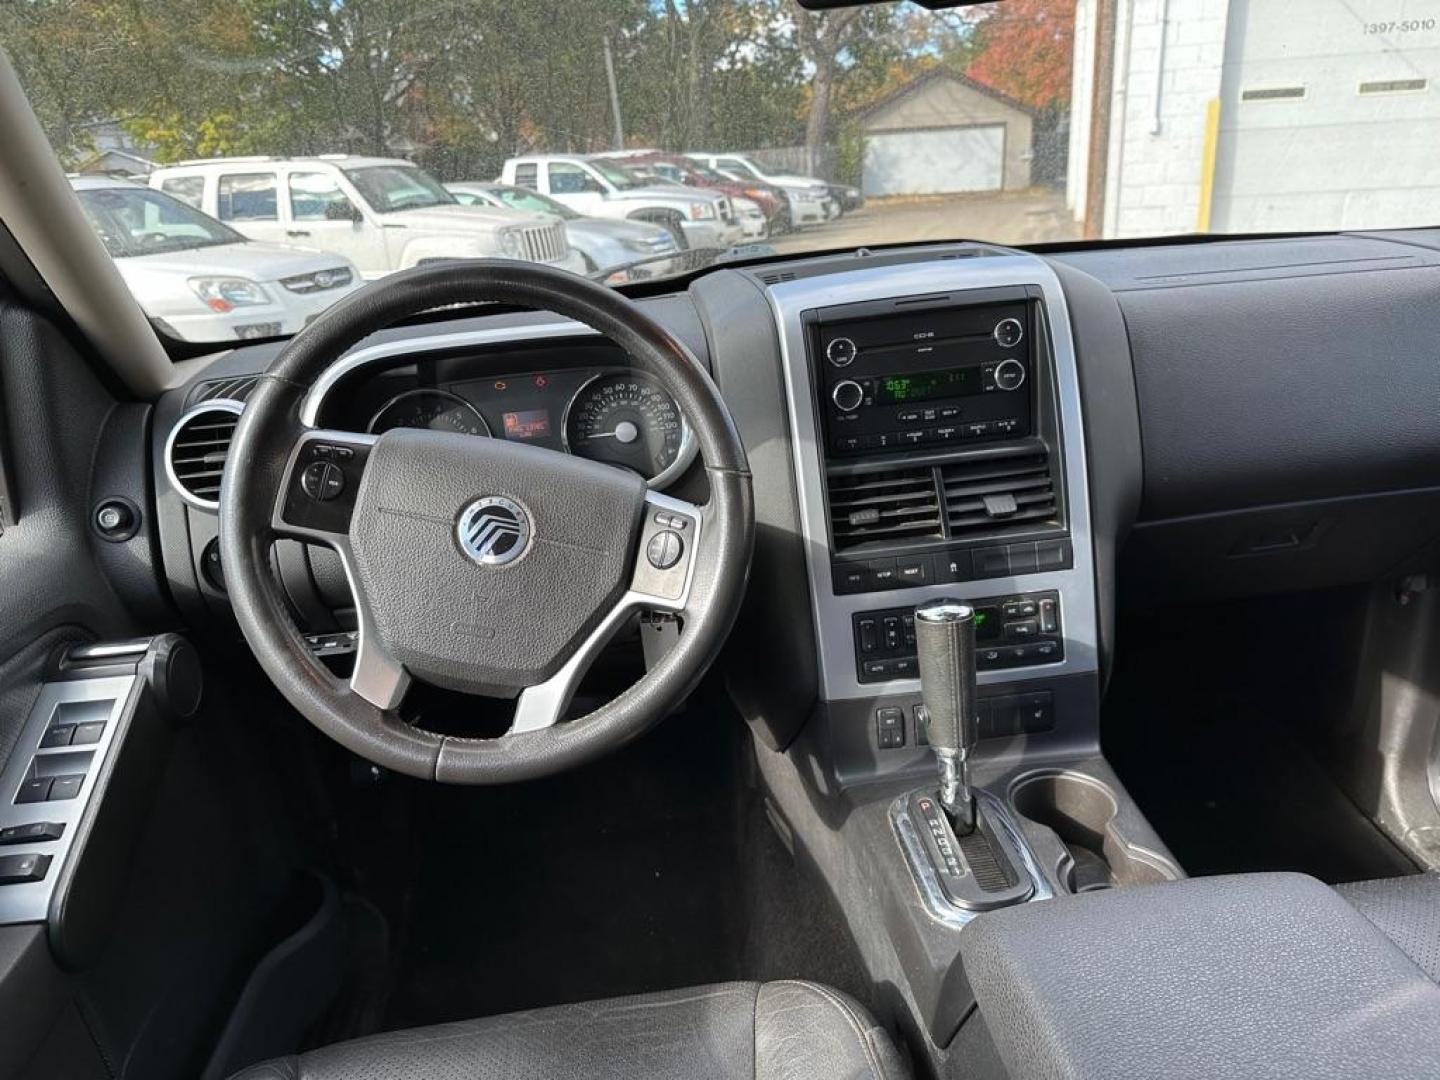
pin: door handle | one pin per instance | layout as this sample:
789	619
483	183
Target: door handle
297	232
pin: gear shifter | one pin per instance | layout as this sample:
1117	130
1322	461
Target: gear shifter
945	642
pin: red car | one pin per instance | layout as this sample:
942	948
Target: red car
683	170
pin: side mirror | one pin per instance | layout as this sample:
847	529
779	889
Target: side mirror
343	211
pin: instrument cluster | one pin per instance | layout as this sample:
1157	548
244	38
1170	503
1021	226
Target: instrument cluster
607	412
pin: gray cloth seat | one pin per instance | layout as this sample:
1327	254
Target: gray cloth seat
791	1030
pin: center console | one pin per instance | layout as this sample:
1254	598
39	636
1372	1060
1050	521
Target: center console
939	452
938	445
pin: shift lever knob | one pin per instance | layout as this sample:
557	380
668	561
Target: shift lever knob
945	644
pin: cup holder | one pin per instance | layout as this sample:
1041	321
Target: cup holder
1082	812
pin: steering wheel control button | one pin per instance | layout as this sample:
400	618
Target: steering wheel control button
323	481
493	531
1010	374
1009	333
22	869
841	352
664	549
666	520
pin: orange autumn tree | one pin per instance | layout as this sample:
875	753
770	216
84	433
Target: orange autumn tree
1023	50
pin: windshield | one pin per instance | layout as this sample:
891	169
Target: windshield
520	199
622	178
133	221
1026	122
388	188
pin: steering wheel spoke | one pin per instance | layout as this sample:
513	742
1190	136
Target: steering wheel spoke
664	570
315	503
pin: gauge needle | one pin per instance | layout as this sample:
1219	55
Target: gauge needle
625	432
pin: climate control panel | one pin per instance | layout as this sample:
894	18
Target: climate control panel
1010	631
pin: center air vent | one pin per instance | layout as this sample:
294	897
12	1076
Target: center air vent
196	449
895	505
997	491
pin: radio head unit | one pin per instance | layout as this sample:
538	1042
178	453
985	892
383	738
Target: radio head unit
921	376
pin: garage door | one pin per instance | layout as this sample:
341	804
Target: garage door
935	162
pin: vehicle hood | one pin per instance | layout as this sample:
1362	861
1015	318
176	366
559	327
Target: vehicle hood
788	180
484	219
615	230
667	194
256	261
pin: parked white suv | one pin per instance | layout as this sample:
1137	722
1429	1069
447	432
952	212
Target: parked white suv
199	278
810	198
696	217
384	214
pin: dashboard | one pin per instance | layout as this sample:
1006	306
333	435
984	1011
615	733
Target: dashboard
945	420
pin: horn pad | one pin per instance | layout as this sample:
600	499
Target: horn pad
484	562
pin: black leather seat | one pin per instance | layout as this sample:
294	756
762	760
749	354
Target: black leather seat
790	1030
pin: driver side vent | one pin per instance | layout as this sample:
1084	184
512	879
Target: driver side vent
996	491
898	504
196	449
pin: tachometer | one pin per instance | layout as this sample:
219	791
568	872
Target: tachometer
434	410
625	418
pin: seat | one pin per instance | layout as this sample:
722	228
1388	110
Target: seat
792	1030
1407	910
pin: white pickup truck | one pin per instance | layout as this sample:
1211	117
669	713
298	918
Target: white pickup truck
383	214
696	217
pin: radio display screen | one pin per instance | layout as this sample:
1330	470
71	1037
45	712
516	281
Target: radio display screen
927	386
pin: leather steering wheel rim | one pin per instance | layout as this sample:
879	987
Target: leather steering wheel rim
257	470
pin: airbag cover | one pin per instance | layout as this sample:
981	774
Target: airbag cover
460	623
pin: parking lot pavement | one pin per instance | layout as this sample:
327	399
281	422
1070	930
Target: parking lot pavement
1014	217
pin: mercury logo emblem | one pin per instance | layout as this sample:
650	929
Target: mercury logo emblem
493	531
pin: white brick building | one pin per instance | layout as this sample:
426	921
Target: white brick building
1327	115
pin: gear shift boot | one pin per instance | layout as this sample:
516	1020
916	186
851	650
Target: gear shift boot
978	870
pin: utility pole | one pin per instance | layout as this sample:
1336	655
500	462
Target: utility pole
614	94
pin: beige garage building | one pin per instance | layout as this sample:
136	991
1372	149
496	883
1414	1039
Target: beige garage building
944	133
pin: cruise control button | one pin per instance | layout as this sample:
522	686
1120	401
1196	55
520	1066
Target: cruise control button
664	549
322	480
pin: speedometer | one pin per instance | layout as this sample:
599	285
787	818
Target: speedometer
625	418
434	410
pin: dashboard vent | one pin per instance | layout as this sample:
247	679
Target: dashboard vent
196	449
775	277
997	491
236	389
895	505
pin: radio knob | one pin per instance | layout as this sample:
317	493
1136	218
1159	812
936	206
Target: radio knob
848	395
1010	374
1008	333
841	352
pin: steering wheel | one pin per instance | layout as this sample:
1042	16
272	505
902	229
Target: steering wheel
481	565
